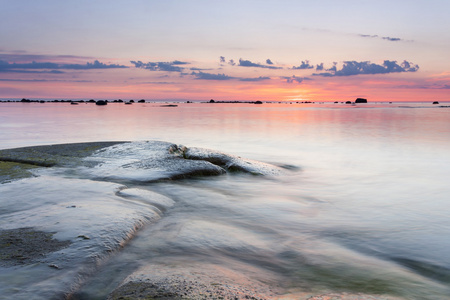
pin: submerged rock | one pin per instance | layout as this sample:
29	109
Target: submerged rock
72	224
198	281
23	246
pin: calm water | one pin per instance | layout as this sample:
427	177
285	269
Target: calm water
364	208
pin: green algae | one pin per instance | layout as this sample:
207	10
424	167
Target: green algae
12	171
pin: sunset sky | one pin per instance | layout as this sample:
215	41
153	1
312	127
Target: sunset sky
324	50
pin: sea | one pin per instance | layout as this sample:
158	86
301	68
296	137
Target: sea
363	207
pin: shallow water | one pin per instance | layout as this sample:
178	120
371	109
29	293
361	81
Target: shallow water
362	208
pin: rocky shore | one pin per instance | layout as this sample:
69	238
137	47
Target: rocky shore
51	242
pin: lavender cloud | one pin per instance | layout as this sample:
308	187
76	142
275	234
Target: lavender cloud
387	38
351	68
54	67
304	65
260	78
209	76
295	79
248	63
160	66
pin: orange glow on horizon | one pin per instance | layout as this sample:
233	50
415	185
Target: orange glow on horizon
318	90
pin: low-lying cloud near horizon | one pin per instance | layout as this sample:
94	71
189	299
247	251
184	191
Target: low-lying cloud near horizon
351	68
189	69
41	67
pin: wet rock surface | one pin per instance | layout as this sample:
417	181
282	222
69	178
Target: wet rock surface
124	161
231	163
26	245
195	282
18	162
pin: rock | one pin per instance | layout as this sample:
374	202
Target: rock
232	163
348	102
360	100
101	102
146	162
435	102
141	101
22	246
197	281
212	101
16	163
258	102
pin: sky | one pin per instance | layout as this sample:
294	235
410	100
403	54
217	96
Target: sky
280	50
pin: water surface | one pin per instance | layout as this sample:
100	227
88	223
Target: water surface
362	208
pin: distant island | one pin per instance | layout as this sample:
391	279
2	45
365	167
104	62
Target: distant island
251	102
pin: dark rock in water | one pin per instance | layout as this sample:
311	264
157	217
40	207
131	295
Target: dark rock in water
360	100
258	102
91	101
101	102
141	101
212	101
435	102
26	245
128	103
131	101
42	101
348	102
